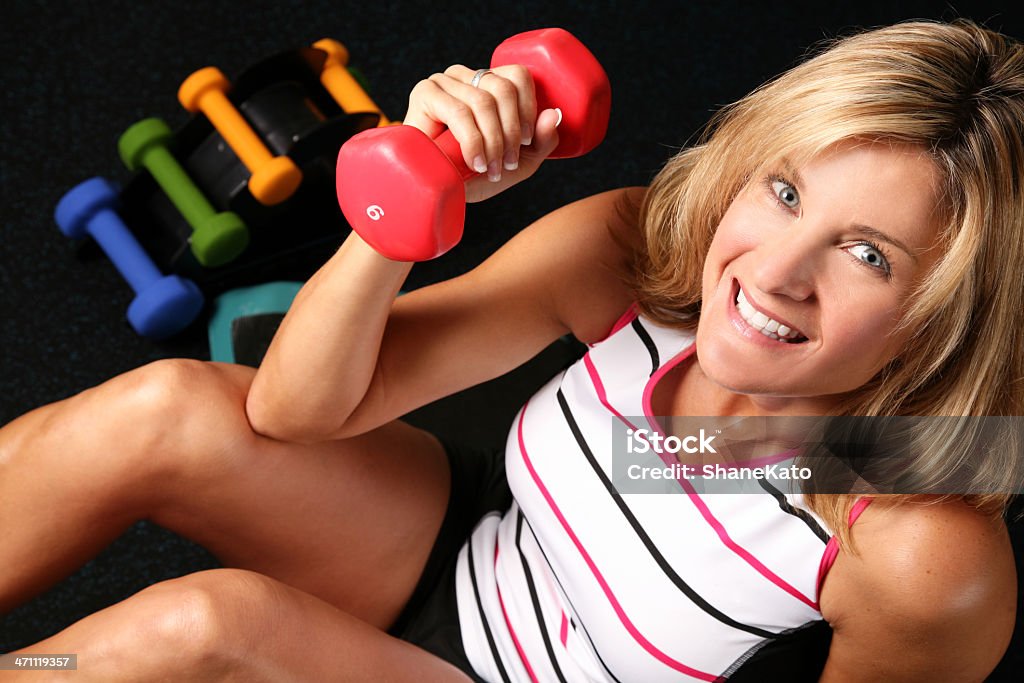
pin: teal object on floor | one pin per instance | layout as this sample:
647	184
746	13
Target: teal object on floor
244	321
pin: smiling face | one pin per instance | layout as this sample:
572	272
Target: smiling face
824	256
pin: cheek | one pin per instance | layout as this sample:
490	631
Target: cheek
737	233
712	273
862	332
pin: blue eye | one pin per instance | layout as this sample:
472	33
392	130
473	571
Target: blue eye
785	193
871	255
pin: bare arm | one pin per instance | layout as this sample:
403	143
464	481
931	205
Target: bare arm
930	596
349	357
562	274
325	354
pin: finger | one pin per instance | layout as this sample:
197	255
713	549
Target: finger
433	108
526	96
423	109
544	143
506	96
487	113
513	90
545	139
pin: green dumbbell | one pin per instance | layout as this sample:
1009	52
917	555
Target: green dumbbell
217	238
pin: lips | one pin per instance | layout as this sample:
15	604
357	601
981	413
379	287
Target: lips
766	324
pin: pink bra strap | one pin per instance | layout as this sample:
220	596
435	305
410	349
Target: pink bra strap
828	558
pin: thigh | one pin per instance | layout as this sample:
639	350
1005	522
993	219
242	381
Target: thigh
350	521
234	625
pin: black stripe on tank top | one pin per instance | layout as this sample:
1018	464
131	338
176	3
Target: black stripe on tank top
786	507
483	615
580	628
642	535
536	601
652	348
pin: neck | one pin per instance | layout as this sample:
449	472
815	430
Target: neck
741	419
698	395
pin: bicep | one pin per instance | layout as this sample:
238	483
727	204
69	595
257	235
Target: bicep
458	333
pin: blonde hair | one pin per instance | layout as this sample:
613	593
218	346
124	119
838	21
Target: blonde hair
955	90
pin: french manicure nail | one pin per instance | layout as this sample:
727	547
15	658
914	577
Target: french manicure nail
511	160
527	134
479	165
493	172
559	117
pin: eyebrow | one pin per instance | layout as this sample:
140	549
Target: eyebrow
794	175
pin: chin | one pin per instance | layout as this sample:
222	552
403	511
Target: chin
742	383
740	374
722	367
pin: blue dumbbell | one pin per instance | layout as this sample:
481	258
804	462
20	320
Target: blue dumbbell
163	305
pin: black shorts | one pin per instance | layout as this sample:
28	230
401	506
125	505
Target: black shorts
430	619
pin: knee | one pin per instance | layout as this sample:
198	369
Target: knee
206	625
177	416
129	423
171	388
185	400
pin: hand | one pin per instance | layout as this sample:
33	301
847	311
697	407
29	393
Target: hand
496	123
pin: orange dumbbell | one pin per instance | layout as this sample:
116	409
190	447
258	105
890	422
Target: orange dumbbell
343	87
273	179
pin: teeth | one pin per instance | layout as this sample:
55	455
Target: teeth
767	326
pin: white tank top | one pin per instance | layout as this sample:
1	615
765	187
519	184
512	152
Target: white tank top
573	583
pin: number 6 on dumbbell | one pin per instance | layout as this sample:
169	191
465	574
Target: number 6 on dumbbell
163	305
403	192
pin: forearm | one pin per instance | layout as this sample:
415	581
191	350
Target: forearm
323	357
322	362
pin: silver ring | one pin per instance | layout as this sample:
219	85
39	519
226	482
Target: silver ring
480	73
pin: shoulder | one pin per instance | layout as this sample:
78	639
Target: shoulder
592	243
930	594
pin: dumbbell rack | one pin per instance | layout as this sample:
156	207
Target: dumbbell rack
286	104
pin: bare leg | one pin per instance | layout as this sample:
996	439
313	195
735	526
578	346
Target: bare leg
351	522
233	625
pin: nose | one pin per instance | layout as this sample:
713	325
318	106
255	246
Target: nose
785	263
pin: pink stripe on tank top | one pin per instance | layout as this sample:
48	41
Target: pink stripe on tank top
511	631
612	600
694	497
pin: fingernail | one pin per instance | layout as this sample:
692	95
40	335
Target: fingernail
493	172
527	134
559	117
479	165
511	160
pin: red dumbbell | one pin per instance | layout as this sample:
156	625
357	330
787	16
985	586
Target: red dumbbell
403	192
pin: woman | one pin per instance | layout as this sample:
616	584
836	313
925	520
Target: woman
864	209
